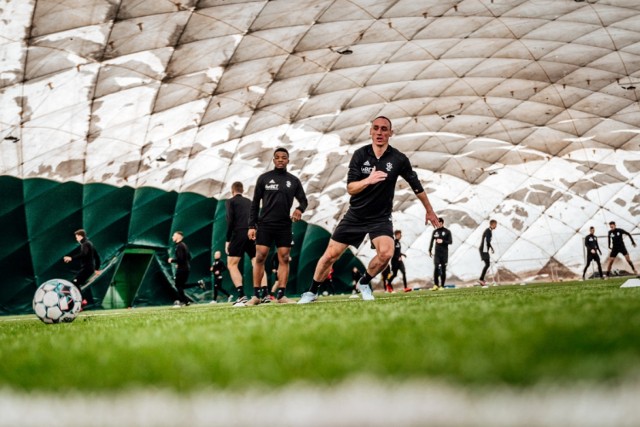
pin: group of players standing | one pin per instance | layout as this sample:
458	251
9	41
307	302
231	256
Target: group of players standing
254	226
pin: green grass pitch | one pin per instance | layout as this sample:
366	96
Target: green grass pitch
519	336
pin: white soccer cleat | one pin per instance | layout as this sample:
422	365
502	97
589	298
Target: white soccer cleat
367	295
307	297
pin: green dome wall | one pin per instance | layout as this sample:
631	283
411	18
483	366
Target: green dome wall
38	218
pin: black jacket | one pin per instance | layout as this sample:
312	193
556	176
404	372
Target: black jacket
87	255
182	257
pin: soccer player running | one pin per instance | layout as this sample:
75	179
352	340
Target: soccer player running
616	244
270	222
593	249
89	264
238	210
485	247
442	238
397	263
371	181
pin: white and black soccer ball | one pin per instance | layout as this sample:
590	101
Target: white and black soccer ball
57	300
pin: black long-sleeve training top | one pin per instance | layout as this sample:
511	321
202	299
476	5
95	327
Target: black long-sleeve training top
486	237
238	211
87	255
444	234
615	238
376	201
276	190
591	242
218	267
182	256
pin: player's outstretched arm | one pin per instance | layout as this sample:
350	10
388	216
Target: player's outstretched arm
431	216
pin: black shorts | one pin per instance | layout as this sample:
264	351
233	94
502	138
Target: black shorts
484	256
281	235
240	244
616	251
352	230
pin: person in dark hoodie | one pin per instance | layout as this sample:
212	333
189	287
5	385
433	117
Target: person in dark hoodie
89	264
181	259
270	222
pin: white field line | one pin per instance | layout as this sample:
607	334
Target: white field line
355	403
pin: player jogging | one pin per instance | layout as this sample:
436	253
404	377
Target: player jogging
89	263
371	181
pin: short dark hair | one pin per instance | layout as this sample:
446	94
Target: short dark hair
386	118
397	232
281	149
441	220
179	232
80	232
493	221
612	223
237	187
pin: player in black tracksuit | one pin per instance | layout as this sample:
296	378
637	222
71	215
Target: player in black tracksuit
442	238
270	222
181	258
593	249
616	244
397	263
371	181
89	263
217	268
485	247
238	210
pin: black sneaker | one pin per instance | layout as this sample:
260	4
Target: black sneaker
265	299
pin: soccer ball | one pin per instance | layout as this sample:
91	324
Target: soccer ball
56	301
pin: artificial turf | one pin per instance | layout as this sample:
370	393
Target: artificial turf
561	333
